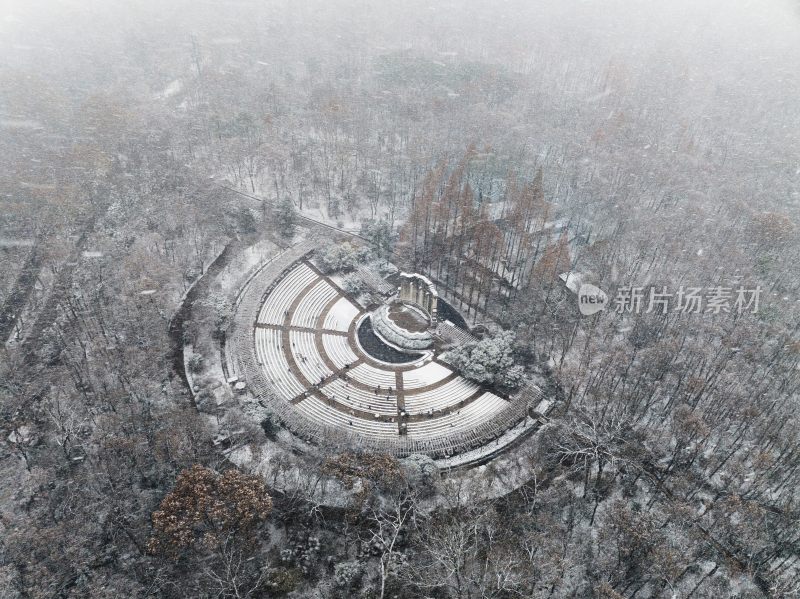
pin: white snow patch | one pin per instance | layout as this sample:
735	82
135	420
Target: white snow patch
599	96
15	243
225	41
172	89
20	124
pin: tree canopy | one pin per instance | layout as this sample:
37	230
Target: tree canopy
489	361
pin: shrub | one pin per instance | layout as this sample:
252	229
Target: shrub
284	580
353	285
347	574
196	363
219	310
245	220
421	472
270	426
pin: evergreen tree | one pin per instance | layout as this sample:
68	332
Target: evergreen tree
379	234
286	218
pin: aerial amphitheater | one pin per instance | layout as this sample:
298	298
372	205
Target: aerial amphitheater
341	374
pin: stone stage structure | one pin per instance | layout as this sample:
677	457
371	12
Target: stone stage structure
419	290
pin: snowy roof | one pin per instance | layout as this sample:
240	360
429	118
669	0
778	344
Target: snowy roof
572	280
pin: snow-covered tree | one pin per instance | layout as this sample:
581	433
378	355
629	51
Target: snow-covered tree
489	361
342	257
286	217
379	234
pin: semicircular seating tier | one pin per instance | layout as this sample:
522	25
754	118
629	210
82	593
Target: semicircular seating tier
295	345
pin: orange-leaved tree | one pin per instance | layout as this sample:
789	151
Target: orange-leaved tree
207	510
